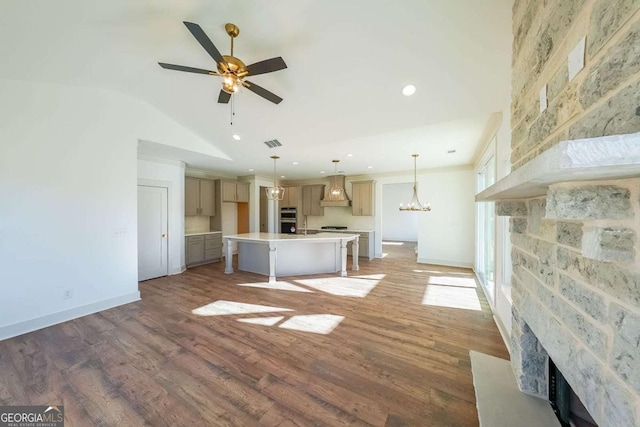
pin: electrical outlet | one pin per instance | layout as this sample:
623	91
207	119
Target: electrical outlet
68	294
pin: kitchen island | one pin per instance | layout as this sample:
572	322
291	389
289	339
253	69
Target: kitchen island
279	255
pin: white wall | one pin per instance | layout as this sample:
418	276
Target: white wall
169	173
68	190
396	224
446	233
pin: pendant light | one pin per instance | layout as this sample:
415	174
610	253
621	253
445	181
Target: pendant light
414	204
336	192
276	192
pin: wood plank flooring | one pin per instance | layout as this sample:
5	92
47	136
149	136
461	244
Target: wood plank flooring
390	360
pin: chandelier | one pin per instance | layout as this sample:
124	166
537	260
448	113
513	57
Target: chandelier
336	192
414	204
276	192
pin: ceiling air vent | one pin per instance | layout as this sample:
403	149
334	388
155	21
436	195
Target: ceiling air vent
273	143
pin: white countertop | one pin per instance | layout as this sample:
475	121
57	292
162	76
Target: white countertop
202	233
275	237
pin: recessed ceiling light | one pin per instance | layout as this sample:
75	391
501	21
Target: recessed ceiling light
236	137
250	170
322	172
349	155
282	176
451	151
294	163
408	90
369	167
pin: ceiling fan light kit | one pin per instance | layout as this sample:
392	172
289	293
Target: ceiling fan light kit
232	70
414	204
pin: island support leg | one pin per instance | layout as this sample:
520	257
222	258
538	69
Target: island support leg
343	257
272	262
229	258
355	254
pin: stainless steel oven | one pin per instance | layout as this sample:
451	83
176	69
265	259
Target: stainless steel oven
288	220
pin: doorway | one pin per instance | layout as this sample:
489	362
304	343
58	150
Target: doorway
153	224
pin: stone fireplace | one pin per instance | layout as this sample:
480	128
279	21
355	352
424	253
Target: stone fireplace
576	272
573	198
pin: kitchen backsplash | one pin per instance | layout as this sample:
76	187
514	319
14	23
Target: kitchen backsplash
340	216
196	224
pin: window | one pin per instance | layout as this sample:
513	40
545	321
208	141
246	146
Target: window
486	220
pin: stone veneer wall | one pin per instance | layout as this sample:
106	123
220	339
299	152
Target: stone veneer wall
576	263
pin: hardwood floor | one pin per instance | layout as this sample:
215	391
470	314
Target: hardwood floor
377	355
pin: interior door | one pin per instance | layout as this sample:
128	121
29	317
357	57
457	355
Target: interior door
152	232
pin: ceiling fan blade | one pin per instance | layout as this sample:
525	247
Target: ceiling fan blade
270	96
266	66
204	41
224	97
187	69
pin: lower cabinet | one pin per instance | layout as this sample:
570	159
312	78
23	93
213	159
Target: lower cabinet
203	249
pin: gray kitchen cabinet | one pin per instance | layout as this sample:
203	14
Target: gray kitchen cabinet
290	199
362	195
311	197
203	249
199	197
236	192
366	242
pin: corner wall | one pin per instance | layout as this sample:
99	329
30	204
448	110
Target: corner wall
68	191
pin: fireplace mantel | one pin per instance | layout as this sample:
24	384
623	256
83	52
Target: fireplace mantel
592	159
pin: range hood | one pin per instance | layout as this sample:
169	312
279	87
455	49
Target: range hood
343	201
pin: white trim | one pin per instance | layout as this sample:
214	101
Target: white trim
503	332
180	270
161	160
30	325
445	262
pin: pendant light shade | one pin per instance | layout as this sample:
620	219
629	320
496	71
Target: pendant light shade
276	192
336	192
414	204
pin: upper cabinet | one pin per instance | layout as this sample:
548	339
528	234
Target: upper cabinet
290	199
237	192
362	195
311	197
199	197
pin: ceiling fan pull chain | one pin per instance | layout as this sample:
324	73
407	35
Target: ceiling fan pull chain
232	113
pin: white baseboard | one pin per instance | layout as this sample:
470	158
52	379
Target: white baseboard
503	333
178	270
31	325
445	262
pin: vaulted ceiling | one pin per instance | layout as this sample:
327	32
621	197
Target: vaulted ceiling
347	63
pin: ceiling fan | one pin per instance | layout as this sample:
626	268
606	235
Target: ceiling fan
231	69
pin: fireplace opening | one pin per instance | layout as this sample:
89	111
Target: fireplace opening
565	402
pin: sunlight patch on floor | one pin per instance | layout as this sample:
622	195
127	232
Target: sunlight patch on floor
463	282
280	286
392	243
451	297
356	286
221	308
315	323
266	321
